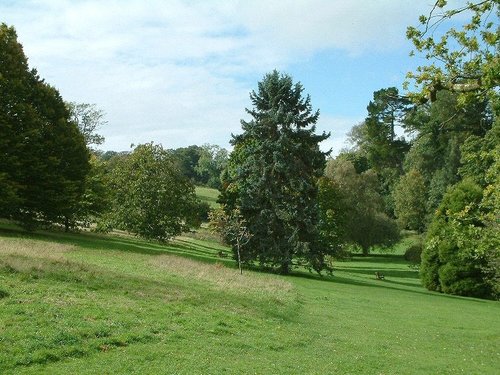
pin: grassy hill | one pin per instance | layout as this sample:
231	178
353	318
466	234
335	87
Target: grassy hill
208	195
89	304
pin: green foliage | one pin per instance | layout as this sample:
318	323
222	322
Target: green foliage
272	173
96	199
89	119
379	142
414	253
150	195
453	258
44	159
212	161
441	130
366	224
410	201
461	60
375	140
187	159
332	217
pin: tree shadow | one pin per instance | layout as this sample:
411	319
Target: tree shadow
387	272
385	284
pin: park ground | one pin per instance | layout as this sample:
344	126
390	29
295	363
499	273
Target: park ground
92	304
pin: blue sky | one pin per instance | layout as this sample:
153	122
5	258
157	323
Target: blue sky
179	72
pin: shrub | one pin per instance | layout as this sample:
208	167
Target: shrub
452	260
413	253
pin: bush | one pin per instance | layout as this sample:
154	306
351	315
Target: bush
203	211
452	260
413	253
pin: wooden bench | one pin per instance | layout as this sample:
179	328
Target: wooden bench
379	276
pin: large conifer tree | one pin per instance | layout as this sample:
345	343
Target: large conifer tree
272	177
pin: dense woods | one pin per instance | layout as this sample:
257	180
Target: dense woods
427	161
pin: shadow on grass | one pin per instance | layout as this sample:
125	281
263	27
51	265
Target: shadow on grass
196	251
95	241
387	272
385	284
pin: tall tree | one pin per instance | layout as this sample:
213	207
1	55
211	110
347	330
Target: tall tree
376	139
44	158
461	252
364	222
272	177
89	119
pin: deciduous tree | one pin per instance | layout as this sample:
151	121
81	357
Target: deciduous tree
44	159
151	197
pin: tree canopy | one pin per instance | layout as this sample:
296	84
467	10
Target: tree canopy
44	159
150	196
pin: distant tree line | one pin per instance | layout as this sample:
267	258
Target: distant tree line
52	174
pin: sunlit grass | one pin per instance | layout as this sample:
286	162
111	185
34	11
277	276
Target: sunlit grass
208	195
90	304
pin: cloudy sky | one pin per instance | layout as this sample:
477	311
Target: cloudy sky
179	72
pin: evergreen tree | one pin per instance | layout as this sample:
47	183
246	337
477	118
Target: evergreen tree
272	177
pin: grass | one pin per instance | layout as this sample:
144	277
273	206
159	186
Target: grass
208	195
90	304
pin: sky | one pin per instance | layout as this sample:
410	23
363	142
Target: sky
179	72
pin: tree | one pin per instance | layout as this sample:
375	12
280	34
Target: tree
212	161
376	139
463	60
96	198
453	258
151	197
410	198
332	217
463	64
366	224
89	119
44	159
232	228
272	175
187	159
376	136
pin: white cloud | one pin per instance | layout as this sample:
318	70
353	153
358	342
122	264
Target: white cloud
338	127
179	72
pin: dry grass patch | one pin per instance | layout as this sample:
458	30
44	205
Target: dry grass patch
32	256
223	278
33	248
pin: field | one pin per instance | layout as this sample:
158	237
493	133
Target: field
208	195
90	304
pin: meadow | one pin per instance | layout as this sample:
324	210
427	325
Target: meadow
93	304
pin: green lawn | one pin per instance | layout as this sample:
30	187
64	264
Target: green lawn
208	195
88	304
